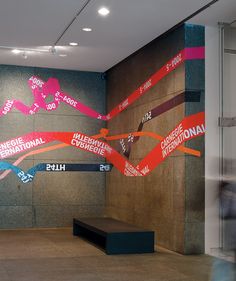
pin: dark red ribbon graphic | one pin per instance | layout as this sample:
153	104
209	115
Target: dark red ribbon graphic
186	96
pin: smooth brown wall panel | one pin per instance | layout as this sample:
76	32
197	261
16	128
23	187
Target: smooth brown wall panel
155	201
169	200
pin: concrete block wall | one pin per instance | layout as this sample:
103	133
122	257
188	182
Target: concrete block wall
52	199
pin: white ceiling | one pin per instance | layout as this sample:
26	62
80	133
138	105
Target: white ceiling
223	11
130	25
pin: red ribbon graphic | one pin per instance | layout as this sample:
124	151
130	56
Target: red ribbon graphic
190	127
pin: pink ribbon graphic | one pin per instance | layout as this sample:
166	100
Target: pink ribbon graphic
41	90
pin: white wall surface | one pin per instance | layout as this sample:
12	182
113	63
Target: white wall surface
212	237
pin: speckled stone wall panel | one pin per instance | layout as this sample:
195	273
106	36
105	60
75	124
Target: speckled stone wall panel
16	216
60	215
159	201
52	199
13	192
85	188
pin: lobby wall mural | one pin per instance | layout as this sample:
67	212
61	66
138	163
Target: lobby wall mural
41	90
159	126
190	127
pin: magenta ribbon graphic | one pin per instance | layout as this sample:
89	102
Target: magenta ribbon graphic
41	90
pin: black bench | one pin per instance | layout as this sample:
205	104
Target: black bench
114	236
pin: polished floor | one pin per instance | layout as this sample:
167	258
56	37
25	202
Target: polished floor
54	254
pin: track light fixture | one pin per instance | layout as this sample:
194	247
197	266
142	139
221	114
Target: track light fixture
53	50
24	55
25	52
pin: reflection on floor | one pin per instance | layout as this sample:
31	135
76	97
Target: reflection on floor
222	254
54	254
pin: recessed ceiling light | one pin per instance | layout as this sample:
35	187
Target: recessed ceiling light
87	29
103	11
63	55
16	51
73	44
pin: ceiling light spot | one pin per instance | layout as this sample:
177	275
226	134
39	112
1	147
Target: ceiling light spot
73	44
63	55
16	51
87	29
103	11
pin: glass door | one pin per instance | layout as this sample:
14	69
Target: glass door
228	118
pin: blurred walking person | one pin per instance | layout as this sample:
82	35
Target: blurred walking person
223	270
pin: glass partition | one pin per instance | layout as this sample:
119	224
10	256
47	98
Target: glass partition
227	122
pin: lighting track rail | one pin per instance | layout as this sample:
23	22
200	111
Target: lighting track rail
72	21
